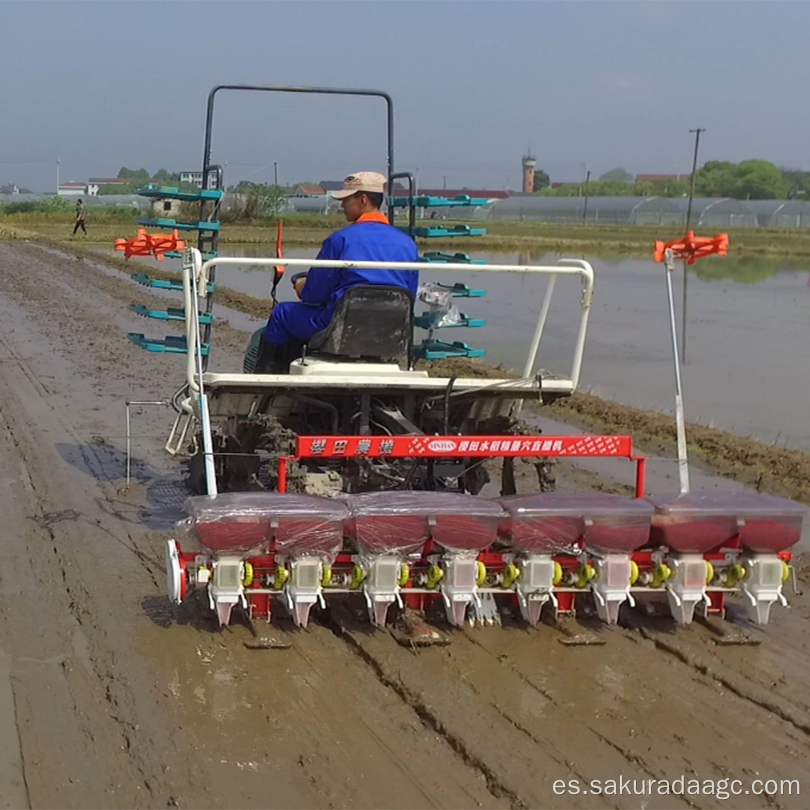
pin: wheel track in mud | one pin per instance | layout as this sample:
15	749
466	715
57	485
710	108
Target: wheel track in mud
56	561
742	687
79	602
749	692
430	720
560	755
335	692
75	598
629	754
91	459
380	740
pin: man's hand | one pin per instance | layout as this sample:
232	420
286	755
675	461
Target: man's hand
298	282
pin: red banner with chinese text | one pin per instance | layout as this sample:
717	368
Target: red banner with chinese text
463	446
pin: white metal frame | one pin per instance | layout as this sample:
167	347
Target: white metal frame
198	280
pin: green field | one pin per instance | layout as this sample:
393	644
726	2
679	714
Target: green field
304	230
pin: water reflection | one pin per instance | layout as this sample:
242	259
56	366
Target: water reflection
747	269
740	269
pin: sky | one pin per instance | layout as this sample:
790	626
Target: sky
586	85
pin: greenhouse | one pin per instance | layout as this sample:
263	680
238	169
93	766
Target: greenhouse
718	212
781	213
712	213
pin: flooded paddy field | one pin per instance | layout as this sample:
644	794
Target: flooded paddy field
111	698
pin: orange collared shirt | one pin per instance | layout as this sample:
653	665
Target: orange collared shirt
373	216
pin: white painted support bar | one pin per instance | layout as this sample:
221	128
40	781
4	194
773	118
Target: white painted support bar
193	273
680	418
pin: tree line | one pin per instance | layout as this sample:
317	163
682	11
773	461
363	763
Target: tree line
140	177
748	180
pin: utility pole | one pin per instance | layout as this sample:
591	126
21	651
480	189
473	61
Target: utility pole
444	181
57	176
585	210
688	224
694	172
275	173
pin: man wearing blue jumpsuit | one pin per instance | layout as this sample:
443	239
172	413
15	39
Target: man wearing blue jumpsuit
369	237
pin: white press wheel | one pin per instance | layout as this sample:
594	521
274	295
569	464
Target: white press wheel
176	577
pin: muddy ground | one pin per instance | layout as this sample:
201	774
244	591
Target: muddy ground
110	698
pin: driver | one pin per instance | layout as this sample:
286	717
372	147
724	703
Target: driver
369	237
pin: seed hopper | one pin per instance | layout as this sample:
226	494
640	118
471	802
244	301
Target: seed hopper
361	475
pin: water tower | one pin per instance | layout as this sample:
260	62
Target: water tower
529	164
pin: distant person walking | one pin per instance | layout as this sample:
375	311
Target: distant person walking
79	218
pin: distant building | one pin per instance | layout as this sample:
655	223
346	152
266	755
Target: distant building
308	190
192	177
331	185
168	209
9	188
529	164
95	183
71	189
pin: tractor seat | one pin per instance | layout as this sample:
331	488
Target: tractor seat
371	321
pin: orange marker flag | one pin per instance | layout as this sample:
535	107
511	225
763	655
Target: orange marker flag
155	245
690	248
280	248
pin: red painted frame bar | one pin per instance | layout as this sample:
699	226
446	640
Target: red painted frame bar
333	447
